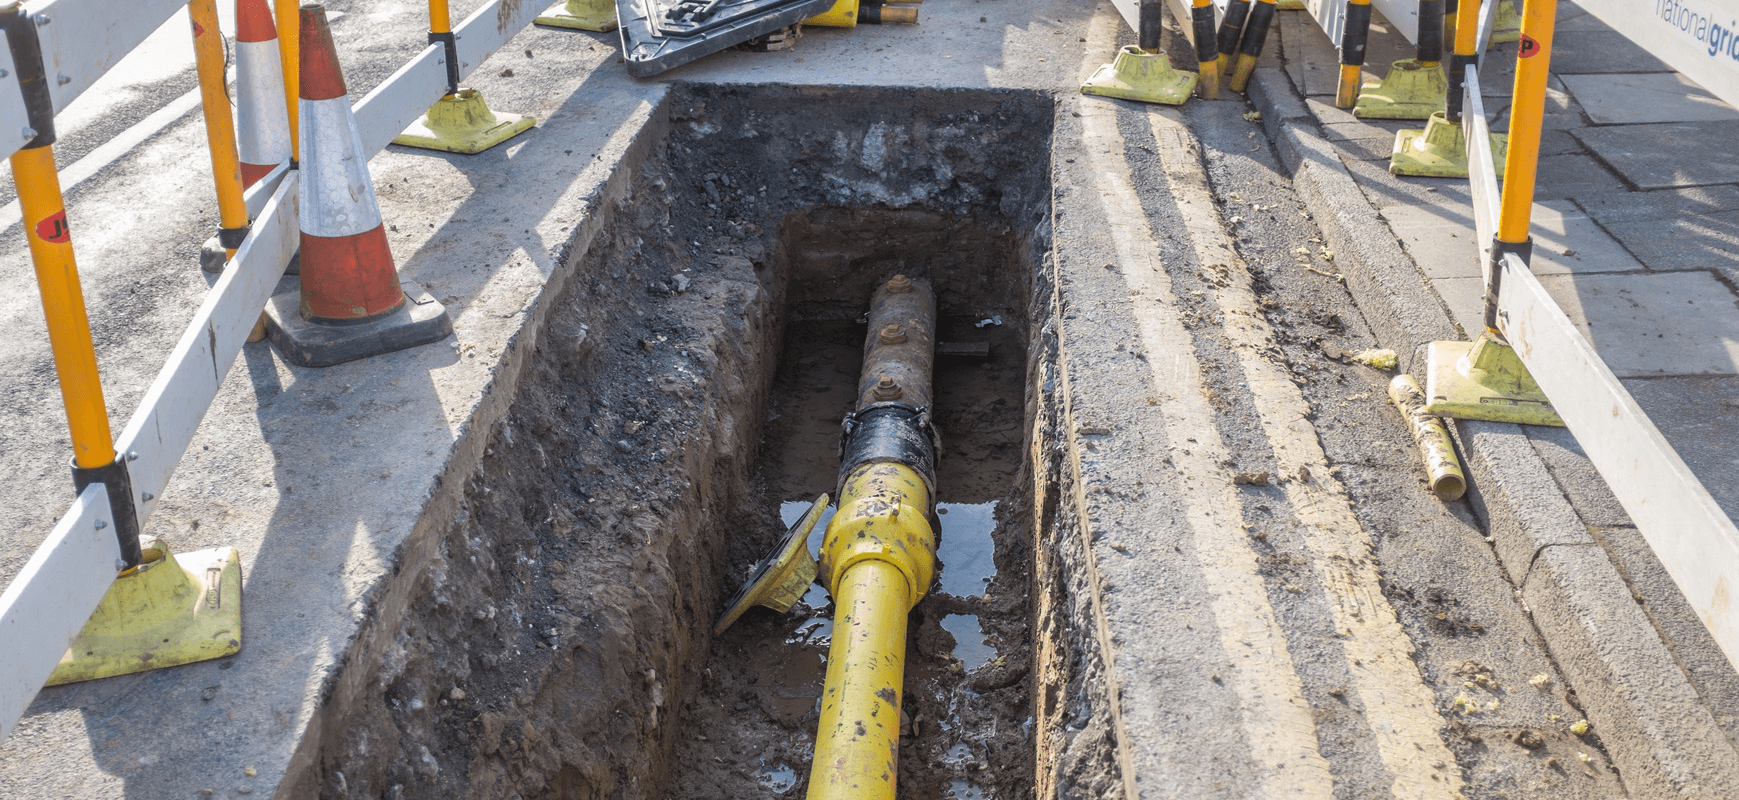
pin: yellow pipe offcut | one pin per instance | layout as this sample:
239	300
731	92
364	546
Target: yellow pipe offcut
877	559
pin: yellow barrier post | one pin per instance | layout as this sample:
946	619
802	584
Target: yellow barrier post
1485	379
460	122
1231	30
1143	72
1352	52
226	171
1440	150
1207	49
287	20
161	611
1414	88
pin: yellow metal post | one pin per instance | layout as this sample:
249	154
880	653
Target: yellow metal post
63	303
460	122
1250	47
289	31
1440	150
219	125
1485	379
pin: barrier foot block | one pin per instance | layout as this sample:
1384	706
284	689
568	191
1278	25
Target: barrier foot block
1440	150
1484	379
1409	91
175	609
1141	76
462	123
1289	5
213	259
1508	25
581	15
419	320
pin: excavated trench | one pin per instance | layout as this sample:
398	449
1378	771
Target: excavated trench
684	404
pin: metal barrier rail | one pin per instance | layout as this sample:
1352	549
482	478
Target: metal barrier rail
48	603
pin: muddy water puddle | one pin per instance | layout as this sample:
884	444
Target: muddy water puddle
750	730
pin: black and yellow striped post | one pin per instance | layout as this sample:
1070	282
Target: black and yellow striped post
159	612
1207	49
208	60
1231	30
1143	72
1352	52
1250	45
1414	88
1485	379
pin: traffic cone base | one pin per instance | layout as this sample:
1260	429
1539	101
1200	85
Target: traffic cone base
176	609
313	342
1141	76
1409	91
581	15
1440	151
462	123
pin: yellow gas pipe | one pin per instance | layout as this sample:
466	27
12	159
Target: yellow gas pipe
879	553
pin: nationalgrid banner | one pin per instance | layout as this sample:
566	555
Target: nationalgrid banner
1699	38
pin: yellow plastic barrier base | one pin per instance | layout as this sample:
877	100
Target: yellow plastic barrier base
781	578
1440	150
1508	25
1141	76
843	14
1409	91
174	610
1289	5
462	123
1484	379
581	15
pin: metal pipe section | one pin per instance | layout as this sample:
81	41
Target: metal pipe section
1442	468
1250	47
879	554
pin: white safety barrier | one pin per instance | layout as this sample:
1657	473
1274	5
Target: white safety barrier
1693	538
48	603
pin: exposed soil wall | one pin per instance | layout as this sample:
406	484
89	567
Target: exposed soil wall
562	622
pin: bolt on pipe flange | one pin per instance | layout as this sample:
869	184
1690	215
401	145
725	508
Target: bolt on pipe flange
887	389
899	284
893	333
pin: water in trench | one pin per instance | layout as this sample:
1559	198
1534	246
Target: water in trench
966	697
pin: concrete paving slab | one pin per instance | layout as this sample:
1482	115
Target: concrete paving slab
1443	242
1700	416
1573	175
1678	323
1383	189
1691	242
1572	17
1581	52
1646	97
1308	56
1666	155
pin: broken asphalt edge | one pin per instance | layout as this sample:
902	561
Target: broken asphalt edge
1657	730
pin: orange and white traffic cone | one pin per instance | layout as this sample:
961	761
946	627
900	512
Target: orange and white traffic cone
263	123
262	120
351	304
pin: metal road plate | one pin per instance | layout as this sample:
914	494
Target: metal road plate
658	35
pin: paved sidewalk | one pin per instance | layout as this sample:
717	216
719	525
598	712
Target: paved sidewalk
1636	222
